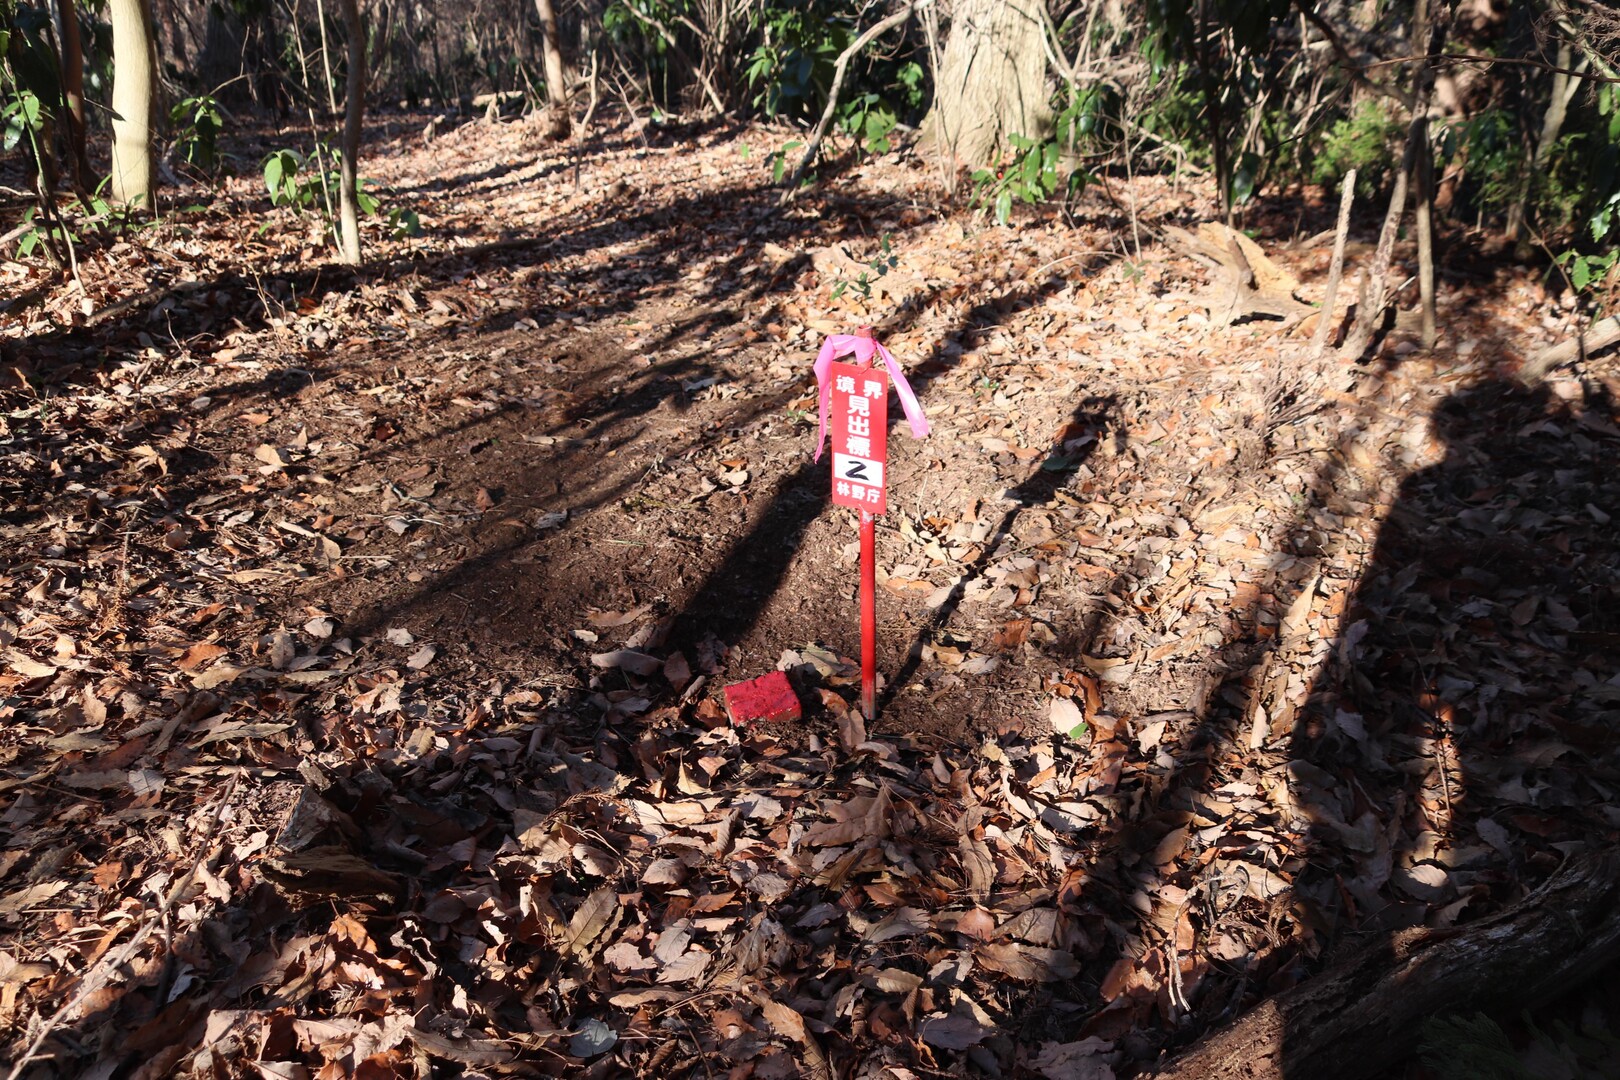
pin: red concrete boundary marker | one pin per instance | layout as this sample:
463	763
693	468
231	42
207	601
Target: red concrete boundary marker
767	699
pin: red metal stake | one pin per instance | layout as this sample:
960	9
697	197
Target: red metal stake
868	616
855	397
868	600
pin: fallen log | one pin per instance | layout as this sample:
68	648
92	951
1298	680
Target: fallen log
1595	338
1360	1018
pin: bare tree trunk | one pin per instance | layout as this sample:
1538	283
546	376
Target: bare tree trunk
354	115
1428	34
73	91
1212	102
992	80
1324	328
133	101
1424	213
1565	85
1374	299
558	122
326	56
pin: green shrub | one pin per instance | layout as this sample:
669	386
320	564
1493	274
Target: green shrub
197	122
1033	174
1490	144
791	70
1366	141
790	73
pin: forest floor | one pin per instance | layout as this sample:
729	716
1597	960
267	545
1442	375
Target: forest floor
362	630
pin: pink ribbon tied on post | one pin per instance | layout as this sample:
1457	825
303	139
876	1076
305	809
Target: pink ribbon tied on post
864	347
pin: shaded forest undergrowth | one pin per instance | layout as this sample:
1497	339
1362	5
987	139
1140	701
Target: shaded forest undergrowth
361	631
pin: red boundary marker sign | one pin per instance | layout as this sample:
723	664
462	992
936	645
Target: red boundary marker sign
860	435
855	399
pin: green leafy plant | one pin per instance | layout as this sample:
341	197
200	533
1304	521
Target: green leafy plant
29	80
869	120
1589	270
1083	117
911	84
790	74
197	122
288	182
1365	141
633	26
291	182
20	117
1032	174
403	222
1489	144
1592	261
40	233
312	184
624	20
876	267
777	160
791	69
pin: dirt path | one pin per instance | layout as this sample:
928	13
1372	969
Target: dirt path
446	559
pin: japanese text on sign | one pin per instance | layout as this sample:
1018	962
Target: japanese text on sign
860	426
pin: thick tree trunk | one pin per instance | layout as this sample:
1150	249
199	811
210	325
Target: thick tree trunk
1363	1017
558	121
73	91
354	115
133	102
992	80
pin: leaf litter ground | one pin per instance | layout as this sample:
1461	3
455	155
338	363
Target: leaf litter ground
362	633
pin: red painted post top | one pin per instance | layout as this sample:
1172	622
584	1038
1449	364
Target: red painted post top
768	699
